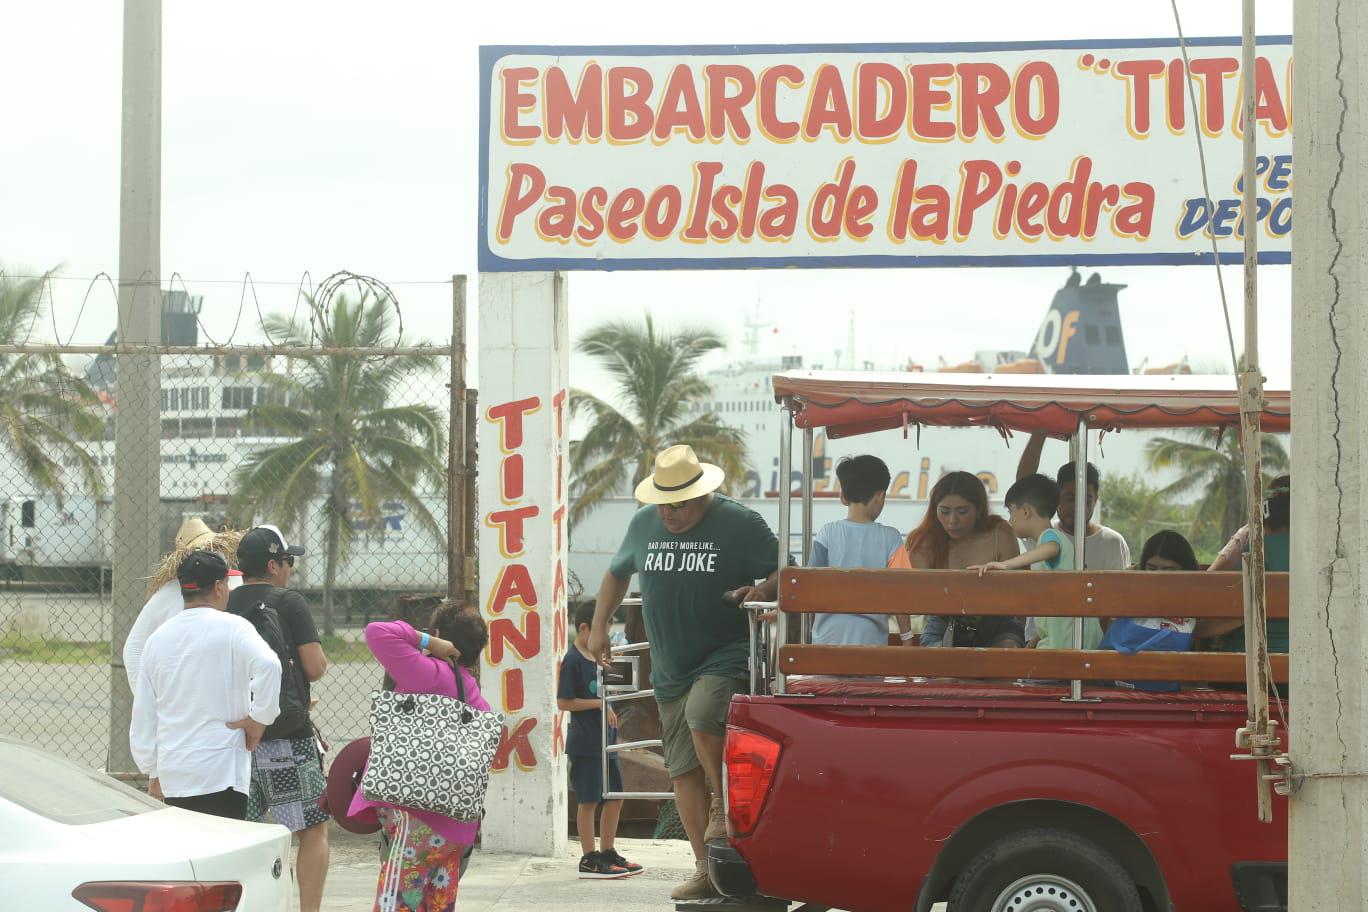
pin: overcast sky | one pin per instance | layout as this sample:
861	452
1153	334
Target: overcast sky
342	135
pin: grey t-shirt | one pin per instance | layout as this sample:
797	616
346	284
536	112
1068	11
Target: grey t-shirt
1106	549
852	545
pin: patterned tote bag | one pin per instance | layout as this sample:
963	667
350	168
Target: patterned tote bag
431	752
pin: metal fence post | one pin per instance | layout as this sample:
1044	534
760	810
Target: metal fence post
471	575
458	520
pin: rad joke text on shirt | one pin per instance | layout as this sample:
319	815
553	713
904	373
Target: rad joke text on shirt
680	556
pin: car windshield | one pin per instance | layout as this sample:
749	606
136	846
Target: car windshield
62	791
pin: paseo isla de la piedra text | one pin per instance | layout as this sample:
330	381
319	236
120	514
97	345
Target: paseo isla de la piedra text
934	102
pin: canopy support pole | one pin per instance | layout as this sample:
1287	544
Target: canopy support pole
785	508
808	617
1079	451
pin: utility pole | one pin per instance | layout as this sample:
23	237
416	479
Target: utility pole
137	426
1328	830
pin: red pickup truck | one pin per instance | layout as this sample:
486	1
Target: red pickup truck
882	797
864	778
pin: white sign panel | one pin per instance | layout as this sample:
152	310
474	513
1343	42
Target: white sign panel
876	155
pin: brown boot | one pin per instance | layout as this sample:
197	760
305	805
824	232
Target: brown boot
697	887
717	821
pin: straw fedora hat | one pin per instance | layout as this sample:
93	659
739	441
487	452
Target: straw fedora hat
193	534
678	477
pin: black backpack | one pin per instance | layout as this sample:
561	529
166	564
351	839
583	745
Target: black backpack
293	721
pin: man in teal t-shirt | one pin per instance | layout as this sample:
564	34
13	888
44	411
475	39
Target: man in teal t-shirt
698	554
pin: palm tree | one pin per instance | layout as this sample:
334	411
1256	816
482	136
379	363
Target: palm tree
351	448
1210	460
48	415
664	403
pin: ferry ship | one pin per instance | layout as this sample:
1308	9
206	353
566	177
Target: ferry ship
1080	333
204	401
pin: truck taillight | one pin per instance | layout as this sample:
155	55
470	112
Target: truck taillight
170	896
751	760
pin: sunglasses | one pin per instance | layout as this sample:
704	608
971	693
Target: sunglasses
676	507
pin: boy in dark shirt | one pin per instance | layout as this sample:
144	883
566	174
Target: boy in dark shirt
577	693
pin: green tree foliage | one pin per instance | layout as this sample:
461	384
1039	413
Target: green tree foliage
663	400
351	447
48	415
1210	467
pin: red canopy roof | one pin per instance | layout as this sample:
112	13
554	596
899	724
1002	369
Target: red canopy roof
847	403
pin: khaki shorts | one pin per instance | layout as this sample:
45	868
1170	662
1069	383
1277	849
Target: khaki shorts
704	710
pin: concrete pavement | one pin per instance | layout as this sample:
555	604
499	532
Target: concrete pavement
496	882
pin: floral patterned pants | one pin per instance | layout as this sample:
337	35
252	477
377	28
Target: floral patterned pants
422	870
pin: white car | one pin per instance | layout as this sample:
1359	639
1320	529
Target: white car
74	839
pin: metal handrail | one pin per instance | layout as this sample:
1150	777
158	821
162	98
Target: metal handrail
619	693
624	696
758	615
632	745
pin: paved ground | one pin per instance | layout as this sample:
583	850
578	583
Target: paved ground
512	883
516	883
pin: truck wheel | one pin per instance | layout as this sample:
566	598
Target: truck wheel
1044	870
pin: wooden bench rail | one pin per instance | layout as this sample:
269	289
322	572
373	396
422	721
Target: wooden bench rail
1041	664
1101	594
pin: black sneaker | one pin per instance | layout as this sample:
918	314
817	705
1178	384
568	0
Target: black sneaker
595	866
630	867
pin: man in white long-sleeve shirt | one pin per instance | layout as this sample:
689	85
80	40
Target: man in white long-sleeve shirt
207	688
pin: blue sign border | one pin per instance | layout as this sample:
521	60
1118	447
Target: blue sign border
489	261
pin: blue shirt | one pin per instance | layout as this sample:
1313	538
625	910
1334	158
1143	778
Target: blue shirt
579	681
853	545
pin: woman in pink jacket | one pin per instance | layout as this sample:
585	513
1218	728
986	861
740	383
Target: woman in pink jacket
423	866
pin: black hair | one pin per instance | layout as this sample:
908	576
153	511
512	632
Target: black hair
1278	511
465	629
1035	491
1281	483
584	614
416	609
862	477
423	611
1169	545
1068	473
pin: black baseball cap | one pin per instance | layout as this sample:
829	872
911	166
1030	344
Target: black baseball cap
200	570
265	543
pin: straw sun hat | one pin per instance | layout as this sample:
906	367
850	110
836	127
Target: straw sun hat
678	477
192	536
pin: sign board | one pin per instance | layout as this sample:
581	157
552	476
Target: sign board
1075	152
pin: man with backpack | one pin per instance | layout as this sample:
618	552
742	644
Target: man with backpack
287	766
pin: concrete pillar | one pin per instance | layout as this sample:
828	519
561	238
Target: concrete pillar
524	371
137	433
1329	740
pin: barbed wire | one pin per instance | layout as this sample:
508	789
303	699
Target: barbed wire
318	300
198	281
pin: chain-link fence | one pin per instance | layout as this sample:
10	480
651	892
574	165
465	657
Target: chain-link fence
334	433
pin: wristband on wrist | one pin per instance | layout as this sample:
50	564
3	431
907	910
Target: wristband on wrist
423	640
906	637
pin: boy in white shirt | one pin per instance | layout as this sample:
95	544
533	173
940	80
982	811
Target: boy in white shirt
207	688
1031	504
857	541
